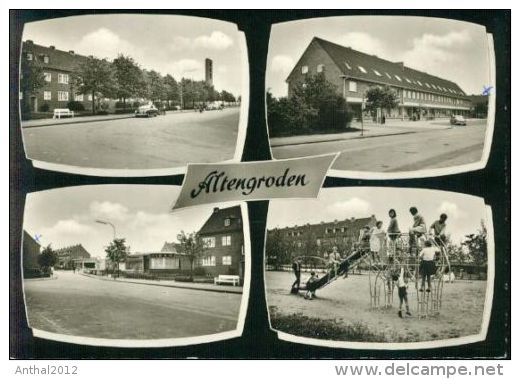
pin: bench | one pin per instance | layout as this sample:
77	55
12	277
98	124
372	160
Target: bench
59	112
227	279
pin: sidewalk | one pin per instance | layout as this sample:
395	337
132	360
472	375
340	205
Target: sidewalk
73	120
173	283
370	130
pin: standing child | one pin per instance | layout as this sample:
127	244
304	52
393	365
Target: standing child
393	233
377	241
427	266
402	288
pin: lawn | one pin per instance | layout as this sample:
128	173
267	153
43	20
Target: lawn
342	312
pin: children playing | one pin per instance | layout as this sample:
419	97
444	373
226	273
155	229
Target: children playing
311	292
402	290
377	241
427	266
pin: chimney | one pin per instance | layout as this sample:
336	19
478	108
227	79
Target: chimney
216	209
71	52
352	219
52	47
29	42
401	65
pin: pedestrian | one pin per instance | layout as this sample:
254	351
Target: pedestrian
296	266
427	266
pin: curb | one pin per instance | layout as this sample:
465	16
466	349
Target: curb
76	122
345	139
164	285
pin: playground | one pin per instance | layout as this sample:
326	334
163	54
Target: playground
344	305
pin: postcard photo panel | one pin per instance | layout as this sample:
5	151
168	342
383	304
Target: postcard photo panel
114	266
132	94
380	268
396	96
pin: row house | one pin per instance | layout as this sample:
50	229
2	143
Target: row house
420	95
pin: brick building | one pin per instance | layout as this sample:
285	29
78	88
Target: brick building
420	94
319	239
30	253
58	67
223	236
72	256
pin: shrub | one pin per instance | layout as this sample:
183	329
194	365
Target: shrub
75	106
44	107
199	271
183	278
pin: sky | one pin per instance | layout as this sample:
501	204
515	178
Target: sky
140	213
175	45
464	212
453	50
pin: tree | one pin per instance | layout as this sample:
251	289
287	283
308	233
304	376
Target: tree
117	252
381	98
128	77
192	246
277	249
32	79
171	89
47	259
95	77
156	87
228	97
476	244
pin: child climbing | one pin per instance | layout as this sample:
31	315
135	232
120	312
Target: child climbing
427	266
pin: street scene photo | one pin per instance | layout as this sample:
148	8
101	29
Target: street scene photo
126	91
390	94
114	263
379	265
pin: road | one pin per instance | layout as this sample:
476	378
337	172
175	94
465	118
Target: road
78	305
165	141
421	149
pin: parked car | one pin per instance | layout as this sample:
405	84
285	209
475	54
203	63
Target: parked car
458	120
146	111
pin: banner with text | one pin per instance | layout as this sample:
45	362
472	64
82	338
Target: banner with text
288	178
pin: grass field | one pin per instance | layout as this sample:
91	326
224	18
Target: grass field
342	312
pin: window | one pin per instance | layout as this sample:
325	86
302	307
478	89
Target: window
29	56
209	261
377	73
362	69
305	69
47	95
208	242
352	86
320	68
388	75
227	222
418	82
226	240
63	96
318	242
348	66
78	97
427	85
398	78
47	76
227	260
413	95
408	80
327	230
299	244
63	78
89	97
45	59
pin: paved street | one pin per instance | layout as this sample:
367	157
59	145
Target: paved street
78	305
420	148
165	141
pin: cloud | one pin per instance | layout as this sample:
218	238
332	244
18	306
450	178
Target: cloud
104	43
451	209
282	64
180	43
366	43
432	52
217	40
66	232
108	211
188	68
354	207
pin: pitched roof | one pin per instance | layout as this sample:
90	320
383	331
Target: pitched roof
170	247
362	66
216	222
58	59
28	237
349	224
73	251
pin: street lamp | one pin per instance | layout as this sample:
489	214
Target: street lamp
108	223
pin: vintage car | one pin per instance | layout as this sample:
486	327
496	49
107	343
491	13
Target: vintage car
146	111
458	120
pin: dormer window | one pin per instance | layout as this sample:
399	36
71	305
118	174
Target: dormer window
388	75
227	222
377	73
418	82
362	69
305	69
348	66
320	68
398	78
29	56
408	80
